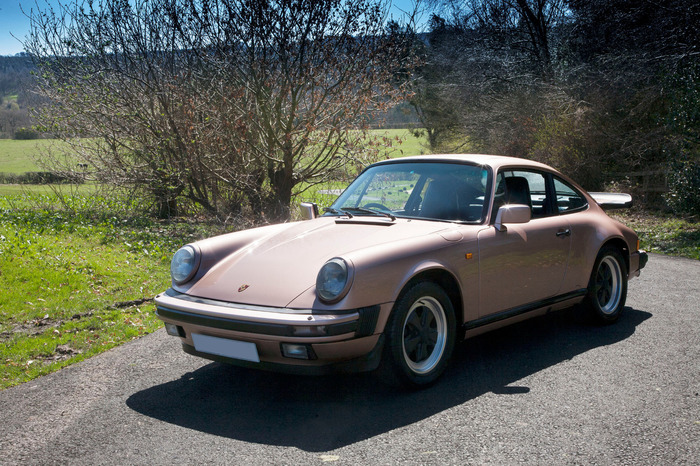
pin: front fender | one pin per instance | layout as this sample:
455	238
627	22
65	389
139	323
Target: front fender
382	273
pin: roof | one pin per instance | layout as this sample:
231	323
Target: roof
494	161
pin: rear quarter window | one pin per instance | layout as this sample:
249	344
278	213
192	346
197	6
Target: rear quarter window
568	198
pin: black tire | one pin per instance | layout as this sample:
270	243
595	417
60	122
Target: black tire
607	288
420	336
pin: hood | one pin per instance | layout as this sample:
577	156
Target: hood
276	267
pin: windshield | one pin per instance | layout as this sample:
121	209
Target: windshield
429	190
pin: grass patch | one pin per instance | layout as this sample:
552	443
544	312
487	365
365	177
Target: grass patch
19	156
404	143
660	233
78	280
73	297
27	195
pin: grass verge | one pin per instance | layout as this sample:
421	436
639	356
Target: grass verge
663	234
77	282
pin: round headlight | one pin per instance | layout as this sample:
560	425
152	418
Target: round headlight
184	264
332	282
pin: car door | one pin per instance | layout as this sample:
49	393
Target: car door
526	263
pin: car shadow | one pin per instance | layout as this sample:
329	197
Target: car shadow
324	413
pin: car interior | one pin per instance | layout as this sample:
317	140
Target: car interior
450	198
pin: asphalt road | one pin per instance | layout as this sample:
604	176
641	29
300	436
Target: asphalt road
553	390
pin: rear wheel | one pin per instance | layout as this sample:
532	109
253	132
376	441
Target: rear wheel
420	335
607	288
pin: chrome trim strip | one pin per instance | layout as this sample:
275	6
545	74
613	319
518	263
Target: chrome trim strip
251	307
217	309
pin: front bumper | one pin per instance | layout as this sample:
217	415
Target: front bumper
344	340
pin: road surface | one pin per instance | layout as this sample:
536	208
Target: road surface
553	390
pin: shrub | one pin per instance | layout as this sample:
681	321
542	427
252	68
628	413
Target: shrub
41	178
26	133
683	195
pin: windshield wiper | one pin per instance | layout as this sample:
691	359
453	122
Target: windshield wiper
337	211
372	211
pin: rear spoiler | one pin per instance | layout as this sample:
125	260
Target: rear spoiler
612	200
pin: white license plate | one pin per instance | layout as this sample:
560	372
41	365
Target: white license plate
225	347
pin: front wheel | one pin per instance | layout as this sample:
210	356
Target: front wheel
607	288
420	335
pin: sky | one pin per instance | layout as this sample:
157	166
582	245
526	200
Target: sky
14	23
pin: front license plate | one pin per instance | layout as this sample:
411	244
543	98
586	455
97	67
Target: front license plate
225	347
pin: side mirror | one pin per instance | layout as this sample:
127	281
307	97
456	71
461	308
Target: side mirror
512	213
309	210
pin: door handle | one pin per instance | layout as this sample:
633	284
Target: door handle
564	232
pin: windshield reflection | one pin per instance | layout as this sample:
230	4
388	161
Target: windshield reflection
430	190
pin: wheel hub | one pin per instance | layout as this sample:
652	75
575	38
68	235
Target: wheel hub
424	335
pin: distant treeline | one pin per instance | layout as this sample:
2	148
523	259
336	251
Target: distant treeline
17	98
15	74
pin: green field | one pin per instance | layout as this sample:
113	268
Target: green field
28	192
20	156
405	143
14	190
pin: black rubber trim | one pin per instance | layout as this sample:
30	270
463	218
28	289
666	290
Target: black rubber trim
520	310
643	259
364	221
283	330
368	321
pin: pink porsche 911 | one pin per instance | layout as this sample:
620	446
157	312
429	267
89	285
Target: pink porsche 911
415	255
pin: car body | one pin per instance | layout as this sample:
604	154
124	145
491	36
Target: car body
416	254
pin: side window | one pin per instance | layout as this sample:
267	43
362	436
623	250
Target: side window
568	198
531	188
524	187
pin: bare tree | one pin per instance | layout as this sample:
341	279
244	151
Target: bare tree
500	73
235	105
524	32
593	87
433	83
315	72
